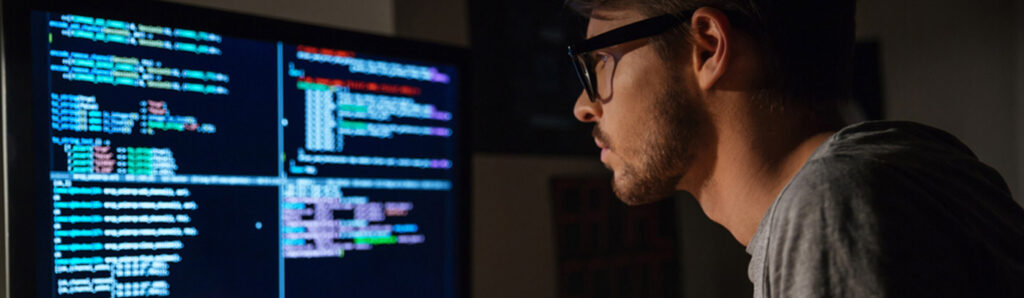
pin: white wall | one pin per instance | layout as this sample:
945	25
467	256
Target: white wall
949	63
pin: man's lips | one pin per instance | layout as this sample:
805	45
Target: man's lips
599	136
604	149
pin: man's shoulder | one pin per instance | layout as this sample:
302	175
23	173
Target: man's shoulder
873	158
892	141
907	179
888	169
899	202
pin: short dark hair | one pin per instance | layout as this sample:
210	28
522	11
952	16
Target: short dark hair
807	44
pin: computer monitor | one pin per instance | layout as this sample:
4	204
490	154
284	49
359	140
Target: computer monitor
158	150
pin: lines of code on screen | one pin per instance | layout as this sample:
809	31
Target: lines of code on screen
184	163
375	117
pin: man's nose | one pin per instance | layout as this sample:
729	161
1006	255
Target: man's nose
586	110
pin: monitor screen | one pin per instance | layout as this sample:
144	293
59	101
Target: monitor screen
178	161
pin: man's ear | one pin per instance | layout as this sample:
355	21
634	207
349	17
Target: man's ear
711	52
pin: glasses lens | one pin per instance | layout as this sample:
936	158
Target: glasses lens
586	76
602	70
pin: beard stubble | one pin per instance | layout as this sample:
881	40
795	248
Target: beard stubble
666	152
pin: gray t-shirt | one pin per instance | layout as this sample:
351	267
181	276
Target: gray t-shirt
891	209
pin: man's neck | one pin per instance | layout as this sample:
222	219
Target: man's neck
756	159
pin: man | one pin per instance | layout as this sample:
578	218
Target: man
736	102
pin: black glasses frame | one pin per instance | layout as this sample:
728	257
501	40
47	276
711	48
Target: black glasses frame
641	29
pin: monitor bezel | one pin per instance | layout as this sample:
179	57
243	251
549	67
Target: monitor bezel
19	189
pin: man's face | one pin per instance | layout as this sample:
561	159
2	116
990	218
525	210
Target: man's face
649	128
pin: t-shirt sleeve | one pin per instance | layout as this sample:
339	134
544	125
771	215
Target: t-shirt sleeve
825	237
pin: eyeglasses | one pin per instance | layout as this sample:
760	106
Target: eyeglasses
596	68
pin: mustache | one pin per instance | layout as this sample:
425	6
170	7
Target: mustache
600	135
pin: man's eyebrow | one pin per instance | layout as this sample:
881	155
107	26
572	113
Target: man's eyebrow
601	16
